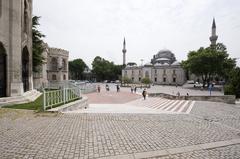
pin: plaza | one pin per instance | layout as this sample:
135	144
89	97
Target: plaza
107	130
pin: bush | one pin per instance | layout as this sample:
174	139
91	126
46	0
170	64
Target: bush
233	85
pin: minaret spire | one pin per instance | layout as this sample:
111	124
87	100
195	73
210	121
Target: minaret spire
124	52
213	38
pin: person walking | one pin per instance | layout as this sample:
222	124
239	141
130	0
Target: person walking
144	94
118	88
132	89
135	89
99	88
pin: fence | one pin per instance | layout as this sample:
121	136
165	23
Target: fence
56	97
84	87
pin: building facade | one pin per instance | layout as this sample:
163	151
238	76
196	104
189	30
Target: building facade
163	69
54	67
15	47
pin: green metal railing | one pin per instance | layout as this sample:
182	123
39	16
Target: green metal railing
57	97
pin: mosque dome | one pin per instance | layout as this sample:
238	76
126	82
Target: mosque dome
163	56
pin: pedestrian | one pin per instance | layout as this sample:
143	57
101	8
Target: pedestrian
186	97
99	88
135	89
132	89
144	94
118	88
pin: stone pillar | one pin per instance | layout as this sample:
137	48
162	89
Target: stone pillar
15	50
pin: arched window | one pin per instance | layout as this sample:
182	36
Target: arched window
54	64
54	77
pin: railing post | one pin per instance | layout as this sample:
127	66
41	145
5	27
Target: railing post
44	100
64	95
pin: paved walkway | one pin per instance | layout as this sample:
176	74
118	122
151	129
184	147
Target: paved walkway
123	125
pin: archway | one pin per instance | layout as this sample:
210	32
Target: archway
3	67
25	69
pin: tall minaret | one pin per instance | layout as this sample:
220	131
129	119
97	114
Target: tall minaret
213	38
124	52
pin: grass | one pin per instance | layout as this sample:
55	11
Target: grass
35	105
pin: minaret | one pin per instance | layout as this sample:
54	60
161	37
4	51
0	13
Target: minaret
124	52
213	38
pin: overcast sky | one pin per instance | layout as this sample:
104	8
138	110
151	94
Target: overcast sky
89	28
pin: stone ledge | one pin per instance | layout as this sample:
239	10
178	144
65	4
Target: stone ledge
230	99
78	104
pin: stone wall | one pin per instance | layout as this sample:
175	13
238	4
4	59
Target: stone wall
230	99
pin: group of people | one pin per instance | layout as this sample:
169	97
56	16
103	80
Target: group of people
107	88
133	89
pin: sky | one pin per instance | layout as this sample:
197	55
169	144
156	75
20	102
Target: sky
90	28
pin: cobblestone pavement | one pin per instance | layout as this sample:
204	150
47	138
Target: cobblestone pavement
24	134
227	114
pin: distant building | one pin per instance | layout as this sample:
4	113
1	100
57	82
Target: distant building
54	68
163	69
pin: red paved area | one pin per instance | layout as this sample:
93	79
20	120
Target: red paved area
111	97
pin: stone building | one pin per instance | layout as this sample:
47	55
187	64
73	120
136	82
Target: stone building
54	67
163	69
15	47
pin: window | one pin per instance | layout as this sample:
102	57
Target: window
54	64
54	77
174	79
164	71
132	78
155	79
174	71
64	77
164	79
139	79
155	71
132	71
139	72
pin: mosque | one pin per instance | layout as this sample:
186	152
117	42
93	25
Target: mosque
163	69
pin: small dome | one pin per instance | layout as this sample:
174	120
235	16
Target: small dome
176	63
148	64
158	64
166	64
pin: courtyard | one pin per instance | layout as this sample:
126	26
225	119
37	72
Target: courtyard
123	125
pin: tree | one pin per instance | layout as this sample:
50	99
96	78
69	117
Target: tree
37	44
105	70
146	80
209	62
76	68
233	85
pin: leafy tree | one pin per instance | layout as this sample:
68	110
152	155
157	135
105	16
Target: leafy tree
37	44
105	70
209	62
76	68
146	80
233	85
